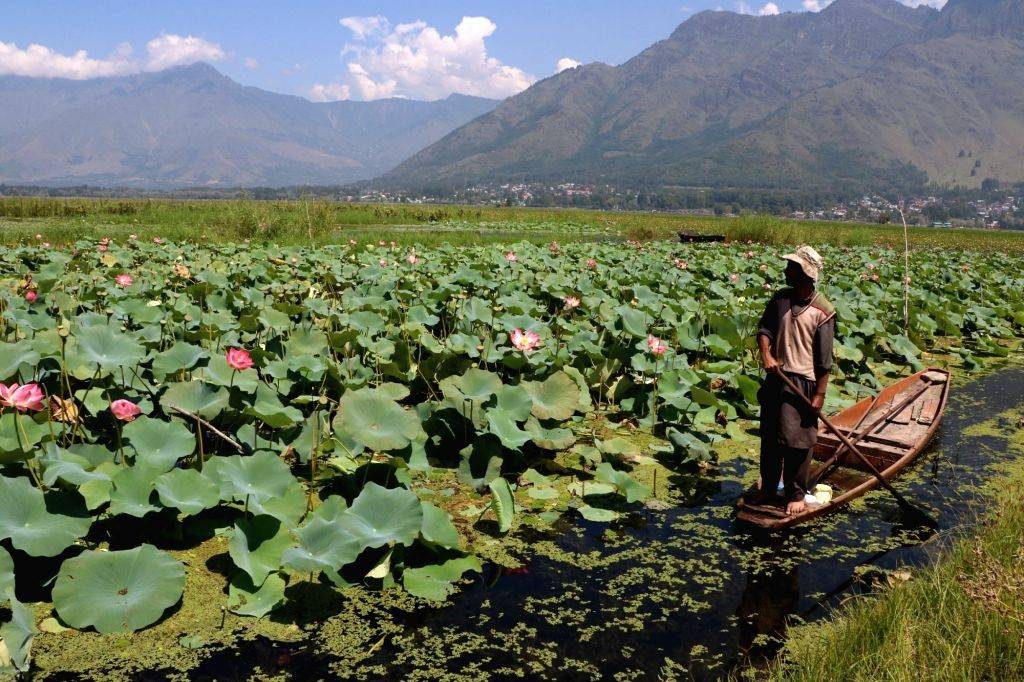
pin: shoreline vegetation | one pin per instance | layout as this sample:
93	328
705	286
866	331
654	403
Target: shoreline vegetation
960	617
318	221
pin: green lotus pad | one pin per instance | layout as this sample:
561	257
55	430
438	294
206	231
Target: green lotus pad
120	591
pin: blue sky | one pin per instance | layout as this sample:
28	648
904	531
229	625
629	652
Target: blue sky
424	50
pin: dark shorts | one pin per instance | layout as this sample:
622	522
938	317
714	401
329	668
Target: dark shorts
786	420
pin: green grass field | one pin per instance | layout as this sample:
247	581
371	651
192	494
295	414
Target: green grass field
319	221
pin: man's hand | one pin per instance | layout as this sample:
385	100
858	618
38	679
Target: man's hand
771	364
818	401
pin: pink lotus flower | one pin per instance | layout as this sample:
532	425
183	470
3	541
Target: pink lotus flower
681	264
749	254
158	240
525	341
656	346
874	278
734	278
38	235
352	242
124	280
21	398
767	287
572	302
511	257
591	263
383	263
125	410
239	359
46	245
411	259
133	236
871	266
380	243
764	267
31	296
102	248
553	247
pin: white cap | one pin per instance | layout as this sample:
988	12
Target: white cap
809	260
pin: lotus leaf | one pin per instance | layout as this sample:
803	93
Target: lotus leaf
269	408
379	516
245	599
187	490
257	544
18	633
504	503
598	514
6	572
437	582
133	488
18	436
376	420
180	356
323	544
13	356
262	476
108	349
438	528
120	591
554	398
36	523
503	425
159	444
626	485
195	397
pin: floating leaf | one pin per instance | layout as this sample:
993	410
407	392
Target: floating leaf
194	397
34	523
187	490
437	582
438	528
159	444
323	544
377	421
245	599
257	544
597	514
119	591
379	516
133	488
18	633
262	476
554	398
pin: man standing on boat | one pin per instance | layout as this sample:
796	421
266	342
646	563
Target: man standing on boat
795	337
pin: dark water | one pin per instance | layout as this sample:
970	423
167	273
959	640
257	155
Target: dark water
678	593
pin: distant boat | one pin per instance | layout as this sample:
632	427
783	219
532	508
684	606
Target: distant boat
890	431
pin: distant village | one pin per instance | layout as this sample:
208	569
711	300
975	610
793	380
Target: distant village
977	209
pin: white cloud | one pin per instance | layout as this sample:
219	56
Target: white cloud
937	4
770	9
566	63
364	27
329	92
416	60
251	63
173	50
39	61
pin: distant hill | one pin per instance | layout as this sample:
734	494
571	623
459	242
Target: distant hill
866	93
193	126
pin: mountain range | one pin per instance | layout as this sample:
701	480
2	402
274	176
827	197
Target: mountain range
193	126
866	93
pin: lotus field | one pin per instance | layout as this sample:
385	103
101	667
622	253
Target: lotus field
297	400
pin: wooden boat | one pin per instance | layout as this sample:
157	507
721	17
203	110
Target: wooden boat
890	430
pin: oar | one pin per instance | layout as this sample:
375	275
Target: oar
853	448
860	435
